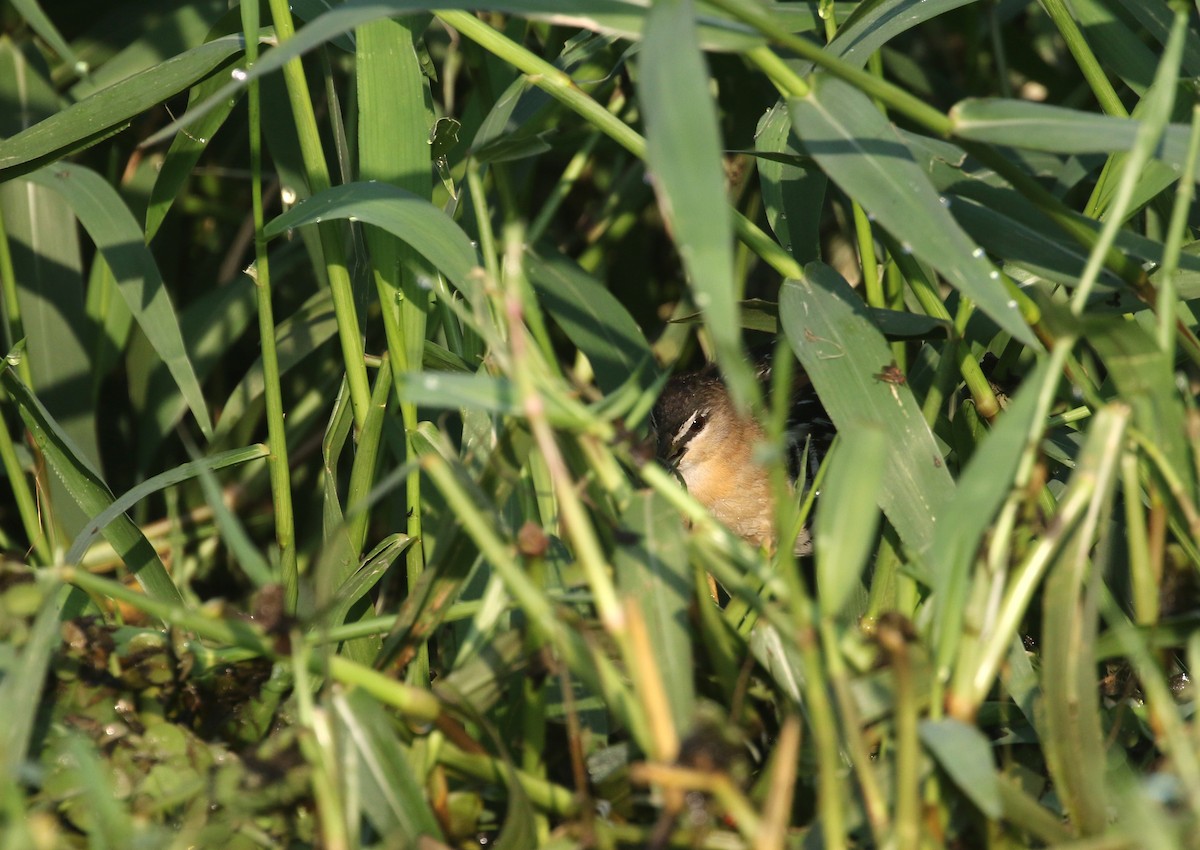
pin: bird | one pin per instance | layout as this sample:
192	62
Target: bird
699	433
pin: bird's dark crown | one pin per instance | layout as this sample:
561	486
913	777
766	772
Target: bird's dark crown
692	398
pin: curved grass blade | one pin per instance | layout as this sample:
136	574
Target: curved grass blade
982	488
185	152
860	151
876	22
1046	127
1073	739
90	492
847	359
411	218
119	238
593	318
184	472
355	13
109	111
793	193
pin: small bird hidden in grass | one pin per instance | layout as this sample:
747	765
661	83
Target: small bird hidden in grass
700	434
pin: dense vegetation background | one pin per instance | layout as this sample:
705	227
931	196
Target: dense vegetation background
329	513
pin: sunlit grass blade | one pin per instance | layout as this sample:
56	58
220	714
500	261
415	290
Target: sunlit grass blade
392	798
653	576
403	214
1073	738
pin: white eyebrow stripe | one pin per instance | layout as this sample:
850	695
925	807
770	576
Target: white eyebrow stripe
683	430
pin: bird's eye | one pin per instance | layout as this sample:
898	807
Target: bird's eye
698	424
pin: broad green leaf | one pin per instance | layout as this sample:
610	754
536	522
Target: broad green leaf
844	530
170	478
683	151
452	391
1046	127
394	149
966	756
119	238
844	354
414	220
592	318
47	262
1037	250
109	111
90	492
861	152
653	572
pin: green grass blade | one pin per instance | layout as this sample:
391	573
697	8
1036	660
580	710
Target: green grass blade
47	262
844	530
163	480
388	774
844	354
90	492
117	235
109	111
1073	738
594	320
983	486
792	193
415	220
861	151
1057	129
966	756
654	575
683	151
